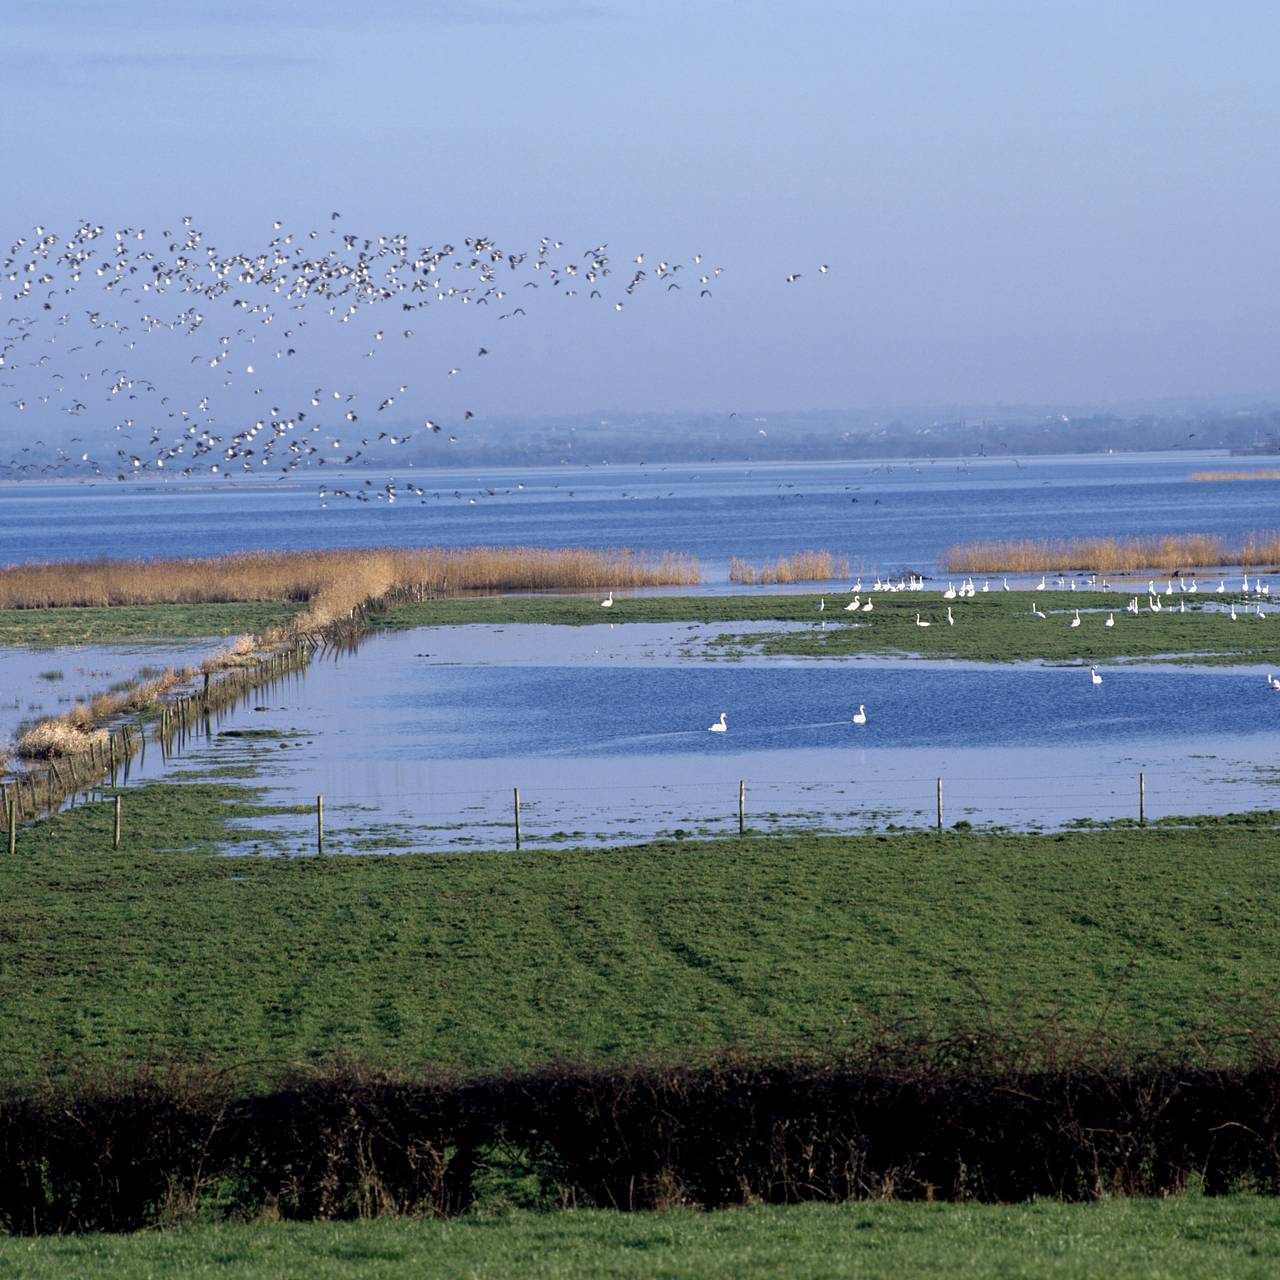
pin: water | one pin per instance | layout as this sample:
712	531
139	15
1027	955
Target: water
884	516
47	682
419	739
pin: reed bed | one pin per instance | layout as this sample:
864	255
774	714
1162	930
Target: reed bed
1234	475
1114	555
336	579
802	566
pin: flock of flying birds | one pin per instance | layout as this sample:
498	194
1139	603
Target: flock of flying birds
179	357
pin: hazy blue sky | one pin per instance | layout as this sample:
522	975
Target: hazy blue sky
1019	199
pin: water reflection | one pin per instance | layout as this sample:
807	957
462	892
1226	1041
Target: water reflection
604	730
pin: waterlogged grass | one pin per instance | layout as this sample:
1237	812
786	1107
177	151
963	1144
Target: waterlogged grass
994	626
38	628
484	960
1229	1238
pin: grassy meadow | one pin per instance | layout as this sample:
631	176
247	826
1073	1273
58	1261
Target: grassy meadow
994	626
110	959
1229	1238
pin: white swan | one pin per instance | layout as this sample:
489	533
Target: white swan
722	727
608	603
950	592
1006	584
866	608
922	624
1273	682
1111	620
822	604
853	606
1035	613
1075	622
1094	676
1233	613
860	716
951	622
1044	586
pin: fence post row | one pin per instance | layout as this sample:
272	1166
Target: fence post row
10	794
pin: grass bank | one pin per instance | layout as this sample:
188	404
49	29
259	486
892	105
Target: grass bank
1230	1238
994	626
483	961
41	628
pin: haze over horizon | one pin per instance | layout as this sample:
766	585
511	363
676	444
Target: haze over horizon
1018	204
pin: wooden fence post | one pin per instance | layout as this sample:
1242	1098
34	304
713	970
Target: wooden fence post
517	799
939	804
13	818
1142	799
319	824
119	821
742	806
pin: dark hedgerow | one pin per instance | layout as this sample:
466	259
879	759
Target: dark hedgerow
964	1119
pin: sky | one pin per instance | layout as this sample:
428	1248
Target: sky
1018	200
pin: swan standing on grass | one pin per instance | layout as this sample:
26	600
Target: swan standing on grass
822	603
1233	613
607	603
860	716
1094	676
1075	622
951	622
853	606
866	608
1111	620
722	727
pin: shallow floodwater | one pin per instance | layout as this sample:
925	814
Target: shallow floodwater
419	738
49	681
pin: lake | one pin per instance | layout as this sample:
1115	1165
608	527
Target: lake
886	516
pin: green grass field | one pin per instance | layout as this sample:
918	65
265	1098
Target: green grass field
995	626
40	628
1227	1239
991	627
485	960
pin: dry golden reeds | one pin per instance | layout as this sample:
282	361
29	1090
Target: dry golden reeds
335	581
58	736
1114	555
802	566
1234	475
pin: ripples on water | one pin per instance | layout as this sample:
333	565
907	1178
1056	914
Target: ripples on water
606	736
885	515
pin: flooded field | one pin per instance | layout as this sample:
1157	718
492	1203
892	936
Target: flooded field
419	739
47	682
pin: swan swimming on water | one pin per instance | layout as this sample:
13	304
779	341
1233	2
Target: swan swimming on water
1094	676
860	716
722	727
